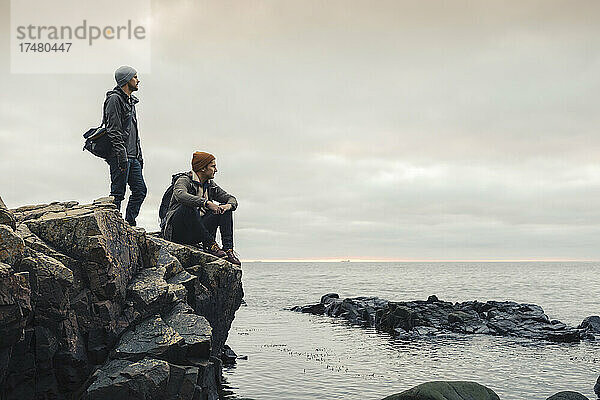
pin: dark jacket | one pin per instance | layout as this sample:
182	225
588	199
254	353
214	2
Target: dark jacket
119	110
185	193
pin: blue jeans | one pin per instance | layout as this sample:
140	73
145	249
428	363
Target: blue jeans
132	176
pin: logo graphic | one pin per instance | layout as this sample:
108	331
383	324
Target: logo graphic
70	36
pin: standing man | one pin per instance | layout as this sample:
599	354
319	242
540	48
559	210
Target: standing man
125	160
198	207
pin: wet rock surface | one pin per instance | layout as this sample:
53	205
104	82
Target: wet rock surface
567	395
434	317
446	390
92	308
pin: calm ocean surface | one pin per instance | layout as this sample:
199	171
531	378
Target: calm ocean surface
300	356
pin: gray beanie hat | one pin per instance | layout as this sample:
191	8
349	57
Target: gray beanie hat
124	74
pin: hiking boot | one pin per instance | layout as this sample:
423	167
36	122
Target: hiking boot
215	250
232	257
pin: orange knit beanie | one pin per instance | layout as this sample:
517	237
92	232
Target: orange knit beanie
200	160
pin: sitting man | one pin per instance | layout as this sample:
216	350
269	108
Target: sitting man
198	207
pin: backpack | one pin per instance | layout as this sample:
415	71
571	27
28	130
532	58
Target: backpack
166	201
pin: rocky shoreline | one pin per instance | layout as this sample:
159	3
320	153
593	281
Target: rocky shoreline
434	317
92	308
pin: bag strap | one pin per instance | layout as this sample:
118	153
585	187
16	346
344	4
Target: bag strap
103	123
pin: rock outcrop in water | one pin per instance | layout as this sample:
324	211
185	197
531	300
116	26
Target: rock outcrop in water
464	390
92	308
447	390
435	317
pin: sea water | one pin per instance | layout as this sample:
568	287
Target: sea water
300	356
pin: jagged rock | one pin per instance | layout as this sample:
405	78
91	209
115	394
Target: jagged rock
191	283
149	290
316	309
228	357
12	246
50	283
196	333
150	379
218	292
169	262
435	317
146	379
183	382
151	338
15	304
187	255
111	250
6	217
223	282
446	390
209	377
567	395
15	308
79	284
590	327
178	292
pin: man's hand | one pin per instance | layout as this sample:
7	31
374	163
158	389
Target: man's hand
225	207
213	207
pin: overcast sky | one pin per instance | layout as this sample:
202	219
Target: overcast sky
408	130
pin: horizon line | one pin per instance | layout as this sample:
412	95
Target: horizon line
339	260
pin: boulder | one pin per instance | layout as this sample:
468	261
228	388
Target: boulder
149	290
446	390
6	217
590	327
567	395
109	247
147	379
196	333
151	338
12	246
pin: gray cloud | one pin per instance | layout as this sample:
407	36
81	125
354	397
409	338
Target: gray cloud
348	129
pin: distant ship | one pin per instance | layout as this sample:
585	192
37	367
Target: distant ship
345	261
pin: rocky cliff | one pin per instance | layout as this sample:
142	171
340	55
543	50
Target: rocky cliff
92	308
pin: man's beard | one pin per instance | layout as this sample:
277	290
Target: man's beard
133	88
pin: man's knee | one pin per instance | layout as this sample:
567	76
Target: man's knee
139	190
142	191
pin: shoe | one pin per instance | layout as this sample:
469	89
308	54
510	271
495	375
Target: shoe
215	250
232	257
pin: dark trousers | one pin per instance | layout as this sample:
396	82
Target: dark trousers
189	227
132	176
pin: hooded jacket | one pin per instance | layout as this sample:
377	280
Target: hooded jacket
119	111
